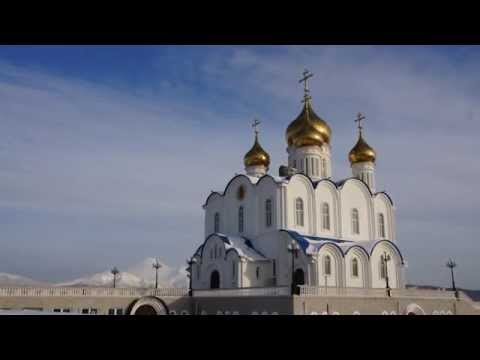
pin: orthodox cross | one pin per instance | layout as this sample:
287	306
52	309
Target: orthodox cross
254	125
358	120
306	75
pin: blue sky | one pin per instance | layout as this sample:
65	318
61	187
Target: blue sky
108	152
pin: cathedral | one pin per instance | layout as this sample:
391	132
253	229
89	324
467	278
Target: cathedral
302	227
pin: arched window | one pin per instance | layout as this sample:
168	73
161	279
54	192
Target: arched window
215	251
240	219
381	225
268	213
217	222
383	268
326	216
233	269
355	222
327	265
299	212
354	267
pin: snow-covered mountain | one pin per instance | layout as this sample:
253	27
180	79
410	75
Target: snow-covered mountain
18	280
139	275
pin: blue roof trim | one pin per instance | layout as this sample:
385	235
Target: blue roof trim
248	242
225	239
301	239
237	176
338	184
391	243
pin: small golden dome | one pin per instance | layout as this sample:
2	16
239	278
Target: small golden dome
308	129
361	152
256	156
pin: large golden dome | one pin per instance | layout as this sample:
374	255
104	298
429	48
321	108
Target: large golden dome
308	129
256	156
361	152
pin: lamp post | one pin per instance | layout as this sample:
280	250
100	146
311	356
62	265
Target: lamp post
451	264
156	265
293	249
190	274
114	272
386	258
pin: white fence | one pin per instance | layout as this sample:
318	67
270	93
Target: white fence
267	291
361	292
90	292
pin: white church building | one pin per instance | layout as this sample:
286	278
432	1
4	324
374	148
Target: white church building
302	227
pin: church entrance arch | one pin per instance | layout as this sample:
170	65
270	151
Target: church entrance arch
145	310
148	305
298	279
215	280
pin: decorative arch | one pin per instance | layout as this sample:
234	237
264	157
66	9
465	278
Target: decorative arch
335	253
414	309
151	303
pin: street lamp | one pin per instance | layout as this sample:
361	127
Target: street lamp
156	265
451	264
114	272
190	274
293	248
386	258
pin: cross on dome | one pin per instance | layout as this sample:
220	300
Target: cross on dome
358	120
255	125
306	75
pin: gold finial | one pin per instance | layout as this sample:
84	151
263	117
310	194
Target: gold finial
358	120
306	75
254	125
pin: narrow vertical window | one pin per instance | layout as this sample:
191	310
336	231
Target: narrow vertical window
381	225
295	164
257	272
324	168
355	222
306	167
317	167
268	213
299	212
354	267
240	219
233	269
326	216
274	270
327	265
217	222
383	270
198	271
312	165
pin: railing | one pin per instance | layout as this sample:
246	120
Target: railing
267	291
90	292
362	292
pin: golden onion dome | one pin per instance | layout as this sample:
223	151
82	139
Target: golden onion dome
256	156
361	152
308	129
